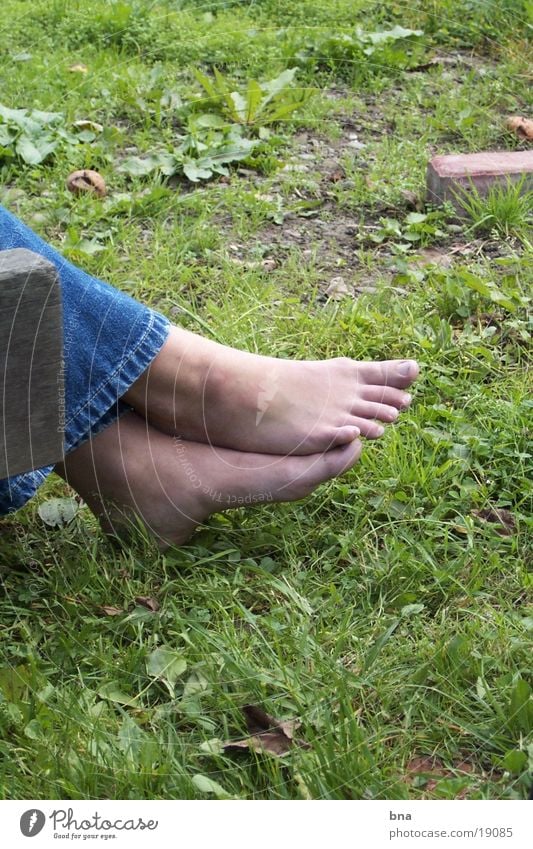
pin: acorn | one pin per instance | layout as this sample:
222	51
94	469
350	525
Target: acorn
80	182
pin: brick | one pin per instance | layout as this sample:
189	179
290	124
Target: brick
447	175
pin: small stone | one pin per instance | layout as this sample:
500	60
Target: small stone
449	176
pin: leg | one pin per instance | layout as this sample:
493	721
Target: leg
172	485
207	392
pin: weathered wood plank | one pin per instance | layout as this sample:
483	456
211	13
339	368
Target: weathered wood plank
31	370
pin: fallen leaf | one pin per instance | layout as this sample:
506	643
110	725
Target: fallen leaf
337	289
523	127
432	770
148	602
413	201
78	69
267	734
433	256
337	175
80	182
498	515
88	125
423	764
105	610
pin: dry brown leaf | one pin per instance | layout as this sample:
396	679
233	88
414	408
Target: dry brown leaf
338	289
435	771
267	735
522	127
148	602
106	610
78	69
433	256
86	124
498	515
80	182
413	201
337	175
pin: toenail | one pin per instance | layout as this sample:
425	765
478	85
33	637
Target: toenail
380	431
406	400
405	368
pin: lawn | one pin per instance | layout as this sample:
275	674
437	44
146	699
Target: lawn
390	613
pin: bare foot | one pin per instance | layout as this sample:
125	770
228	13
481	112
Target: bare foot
208	392
131	469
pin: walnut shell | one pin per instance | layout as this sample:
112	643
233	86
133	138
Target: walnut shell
80	182
523	127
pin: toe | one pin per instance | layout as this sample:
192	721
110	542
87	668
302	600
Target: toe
344	435
306	473
339	460
397	373
369	428
373	410
388	395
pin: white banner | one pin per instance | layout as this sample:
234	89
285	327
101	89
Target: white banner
267	824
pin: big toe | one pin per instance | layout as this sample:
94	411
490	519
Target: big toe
398	373
308	472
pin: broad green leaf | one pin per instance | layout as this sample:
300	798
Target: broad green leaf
205	82
279	112
34	730
137	167
131	738
167	665
214	746
515	761
393	34
88	246
240	106
46	117
32	153
224	92
6	137
415	218
254	96
207	785
209	119
195	172
275	86
521	707
58	512
411	610
111	692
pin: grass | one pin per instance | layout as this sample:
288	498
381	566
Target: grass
507	209
391	612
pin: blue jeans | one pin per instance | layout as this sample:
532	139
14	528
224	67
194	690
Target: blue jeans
109	341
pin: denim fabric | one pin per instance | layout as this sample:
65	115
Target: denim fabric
109	341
